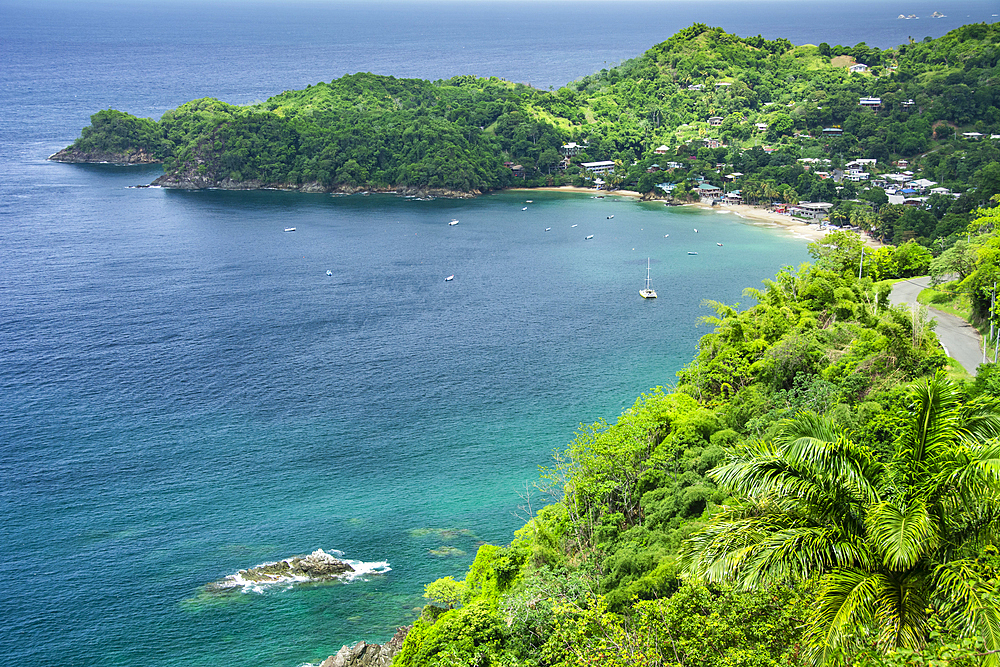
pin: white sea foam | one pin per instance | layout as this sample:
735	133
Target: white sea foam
362	571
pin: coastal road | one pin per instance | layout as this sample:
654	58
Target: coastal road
958	338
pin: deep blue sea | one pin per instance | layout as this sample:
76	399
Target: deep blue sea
185	392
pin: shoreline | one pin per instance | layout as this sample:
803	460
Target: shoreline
750	214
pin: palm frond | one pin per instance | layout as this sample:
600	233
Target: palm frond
846	600
970	604
901	533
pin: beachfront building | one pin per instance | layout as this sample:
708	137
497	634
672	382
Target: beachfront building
733	197
601	167
707	191
815	210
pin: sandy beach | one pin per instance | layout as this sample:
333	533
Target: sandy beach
750	214
764	218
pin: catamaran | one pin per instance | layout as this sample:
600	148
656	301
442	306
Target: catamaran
648	292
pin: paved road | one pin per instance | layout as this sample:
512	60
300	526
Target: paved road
958	338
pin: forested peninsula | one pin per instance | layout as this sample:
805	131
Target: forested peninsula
774	121
821	484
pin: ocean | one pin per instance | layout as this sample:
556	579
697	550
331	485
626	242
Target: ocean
184	390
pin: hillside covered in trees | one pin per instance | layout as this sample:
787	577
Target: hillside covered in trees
818	488
765	105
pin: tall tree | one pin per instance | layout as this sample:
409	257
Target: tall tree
892	543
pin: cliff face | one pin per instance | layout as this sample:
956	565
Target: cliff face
75	156
363	654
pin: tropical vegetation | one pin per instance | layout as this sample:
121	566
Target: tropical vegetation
821	486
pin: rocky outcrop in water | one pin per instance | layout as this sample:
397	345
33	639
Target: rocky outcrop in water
318	565
364	654
74	156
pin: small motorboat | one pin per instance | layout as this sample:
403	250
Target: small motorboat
289	229
589	237
692	252
529	201
571	226
610	217
453	222
696	231
666	236
329	273
719	244
450	278
548	229
525	208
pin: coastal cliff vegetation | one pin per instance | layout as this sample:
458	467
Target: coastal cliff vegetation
819	487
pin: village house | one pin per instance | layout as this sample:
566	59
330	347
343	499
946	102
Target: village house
859	67
972	136
761	127
653	168
572	148
696	86
707	191
600	167
662	150
873	103
715	121
674	165
712	143
832	131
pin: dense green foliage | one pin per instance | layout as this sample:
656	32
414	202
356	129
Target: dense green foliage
813	491
365	130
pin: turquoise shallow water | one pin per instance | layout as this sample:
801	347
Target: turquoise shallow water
184	392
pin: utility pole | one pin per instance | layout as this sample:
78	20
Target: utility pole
862	262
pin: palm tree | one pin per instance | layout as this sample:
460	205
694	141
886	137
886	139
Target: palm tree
891	544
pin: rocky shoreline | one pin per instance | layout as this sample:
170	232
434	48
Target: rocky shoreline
194	181
71	155
364	654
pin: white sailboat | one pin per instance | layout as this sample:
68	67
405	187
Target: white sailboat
648	292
